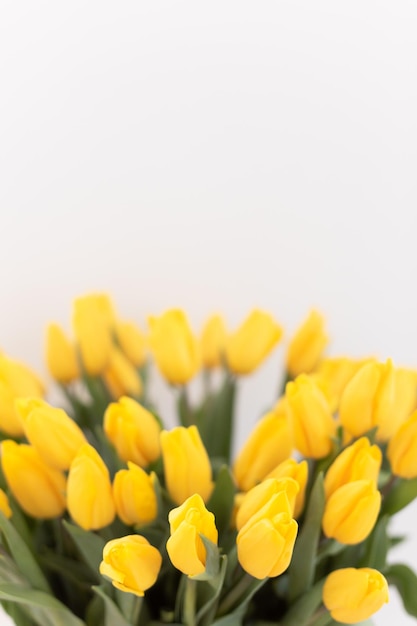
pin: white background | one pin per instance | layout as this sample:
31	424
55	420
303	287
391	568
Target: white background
215	156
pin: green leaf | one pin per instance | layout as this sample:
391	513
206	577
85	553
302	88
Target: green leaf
405	580
377	545
301	570
215	420
301	611
89	544
401	494
23	556
221	501
113	614
18	614
208	595
212	560
45	608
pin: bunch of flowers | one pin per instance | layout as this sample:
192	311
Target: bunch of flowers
108	518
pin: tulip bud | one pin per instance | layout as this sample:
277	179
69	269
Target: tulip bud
375	397
213	342
16	380
335	374
4	504
269	443
121	376
351	511
186	464
93	320
299	472
307	345
252	342
89	491
132	342
134	496
133	431
61	358
258	496
402	449
55	436
265	543
131	563
311	418
359	461
38	488
353	595
174	346
185	547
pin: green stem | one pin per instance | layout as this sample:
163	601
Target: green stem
136	609
190	597
236	593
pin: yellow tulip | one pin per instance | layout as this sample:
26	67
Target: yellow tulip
89	491
4	504
402	449
307	345
174	347
253	341
353	595
258	496
265	543
121	376
269	443
38	488
51	431
185	547
311	418
16	380
378	395
213	342
134	495
93	320
131	563
133	430
359	461
186	464
132	342
290	468
351	511
334	374
61	357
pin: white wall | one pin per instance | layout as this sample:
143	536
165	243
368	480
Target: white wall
216	156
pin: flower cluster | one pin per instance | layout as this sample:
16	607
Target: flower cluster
107	516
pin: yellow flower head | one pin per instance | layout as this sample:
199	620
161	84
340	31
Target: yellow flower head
61	357
213	342
134	495
402	449
307	345
93	321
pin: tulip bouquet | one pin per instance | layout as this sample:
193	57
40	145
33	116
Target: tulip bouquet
109	518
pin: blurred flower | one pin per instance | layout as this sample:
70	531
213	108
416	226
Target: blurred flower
351	511
121	376
134	495
61	357
252	342
89	491
402	449
335	373
378	395
269	443
38	488
51	431
213	342
16	381
311	418
186	464
359	461
4	504
185	547
133	430
93	320
290	468
132	342
353	595
307	345
174	347
131	563
261	494
265	543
